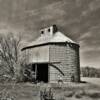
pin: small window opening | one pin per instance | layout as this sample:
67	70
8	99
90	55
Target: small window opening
42	32
49	30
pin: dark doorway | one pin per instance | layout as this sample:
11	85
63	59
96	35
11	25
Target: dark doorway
41	72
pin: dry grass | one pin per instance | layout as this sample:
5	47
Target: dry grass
67	91
21	91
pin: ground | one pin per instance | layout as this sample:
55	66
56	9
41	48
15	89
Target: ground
68	91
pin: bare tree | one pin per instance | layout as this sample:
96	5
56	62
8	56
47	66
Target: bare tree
10	55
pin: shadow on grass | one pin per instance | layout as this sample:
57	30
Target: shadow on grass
83	82
93	95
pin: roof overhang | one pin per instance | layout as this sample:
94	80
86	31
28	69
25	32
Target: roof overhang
49	43
46	62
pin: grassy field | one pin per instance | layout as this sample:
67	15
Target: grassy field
95	81
68	91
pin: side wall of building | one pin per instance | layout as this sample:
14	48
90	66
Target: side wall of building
38	54
66	58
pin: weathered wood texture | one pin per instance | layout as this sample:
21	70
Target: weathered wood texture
38	54
65	57
68	56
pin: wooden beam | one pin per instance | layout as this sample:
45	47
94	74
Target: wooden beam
35	71
46	62
57	68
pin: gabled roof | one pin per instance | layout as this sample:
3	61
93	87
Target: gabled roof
46	38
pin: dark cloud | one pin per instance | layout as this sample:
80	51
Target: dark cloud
78	19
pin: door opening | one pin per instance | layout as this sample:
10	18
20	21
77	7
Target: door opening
41	71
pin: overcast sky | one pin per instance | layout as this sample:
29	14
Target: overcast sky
78	19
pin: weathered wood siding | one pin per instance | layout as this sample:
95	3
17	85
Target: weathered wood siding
65	57
68	56
38	54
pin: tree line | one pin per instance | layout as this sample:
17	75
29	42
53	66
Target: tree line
90	72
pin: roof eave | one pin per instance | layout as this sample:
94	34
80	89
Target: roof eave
32	46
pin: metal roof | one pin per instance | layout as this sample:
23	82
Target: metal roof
50	35
57	37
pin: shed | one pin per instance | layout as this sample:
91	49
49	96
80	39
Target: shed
54	57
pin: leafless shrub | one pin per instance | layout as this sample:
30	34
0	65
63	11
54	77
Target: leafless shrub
10	55
46	94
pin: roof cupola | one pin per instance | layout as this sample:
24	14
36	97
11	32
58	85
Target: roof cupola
49	30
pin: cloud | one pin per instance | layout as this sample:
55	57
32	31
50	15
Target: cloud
78	19
85	35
